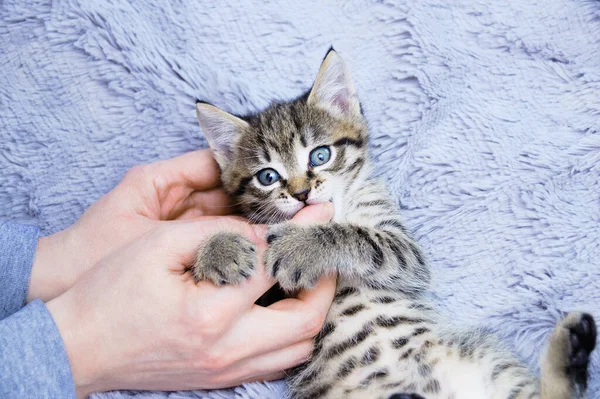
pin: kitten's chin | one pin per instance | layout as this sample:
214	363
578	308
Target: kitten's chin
292	212
285	214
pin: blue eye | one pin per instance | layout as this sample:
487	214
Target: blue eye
320	156
268	176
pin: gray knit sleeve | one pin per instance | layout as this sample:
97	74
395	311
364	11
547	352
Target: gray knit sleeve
33	359
18	244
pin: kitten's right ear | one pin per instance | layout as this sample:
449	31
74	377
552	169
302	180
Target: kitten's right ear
221	129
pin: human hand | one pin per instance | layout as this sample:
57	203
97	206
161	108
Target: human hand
137	321
180	188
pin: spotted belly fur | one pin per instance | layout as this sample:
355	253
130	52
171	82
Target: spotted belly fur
377	343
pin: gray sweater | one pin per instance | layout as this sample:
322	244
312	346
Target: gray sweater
33	360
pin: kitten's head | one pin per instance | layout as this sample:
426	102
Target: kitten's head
295	153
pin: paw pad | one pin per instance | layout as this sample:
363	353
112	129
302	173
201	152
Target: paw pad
583	341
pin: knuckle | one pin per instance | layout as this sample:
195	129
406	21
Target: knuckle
313	323
137	172
214	360
209	355
164	237
304	352
211	322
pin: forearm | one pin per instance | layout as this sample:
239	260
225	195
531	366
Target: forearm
17	250
404	259
385	253
33	361
383	256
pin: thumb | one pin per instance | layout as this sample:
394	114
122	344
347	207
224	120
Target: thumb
318	213
184	237
307	215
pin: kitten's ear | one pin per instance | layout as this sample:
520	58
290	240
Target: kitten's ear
221	129
334	90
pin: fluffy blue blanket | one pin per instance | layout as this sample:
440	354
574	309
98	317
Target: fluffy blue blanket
484	118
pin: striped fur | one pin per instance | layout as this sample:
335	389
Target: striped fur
382	338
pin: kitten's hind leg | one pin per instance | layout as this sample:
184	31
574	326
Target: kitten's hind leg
564	368
225	258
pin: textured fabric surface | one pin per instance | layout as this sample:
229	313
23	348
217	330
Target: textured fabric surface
484	116
33	360
18	244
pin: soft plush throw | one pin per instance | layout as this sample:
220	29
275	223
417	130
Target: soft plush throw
484	117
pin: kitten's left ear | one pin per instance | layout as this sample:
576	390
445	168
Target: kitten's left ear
221	129
334	90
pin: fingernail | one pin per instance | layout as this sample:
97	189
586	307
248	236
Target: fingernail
328	210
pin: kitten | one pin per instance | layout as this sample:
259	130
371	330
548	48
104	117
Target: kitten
381	338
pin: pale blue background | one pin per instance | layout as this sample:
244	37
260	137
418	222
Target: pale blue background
484	118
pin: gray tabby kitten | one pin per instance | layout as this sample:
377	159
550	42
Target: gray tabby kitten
382	338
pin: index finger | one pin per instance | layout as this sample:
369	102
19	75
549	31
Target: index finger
284	323
321	296
196	170
307	215
317	299
309	305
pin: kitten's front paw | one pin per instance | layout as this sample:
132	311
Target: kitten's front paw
294	257
225	258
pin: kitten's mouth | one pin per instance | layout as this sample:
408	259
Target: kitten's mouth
304	204
290	213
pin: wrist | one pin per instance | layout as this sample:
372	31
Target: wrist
80	341
46	281
55	266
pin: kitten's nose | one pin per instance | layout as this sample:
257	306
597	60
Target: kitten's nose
301	195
